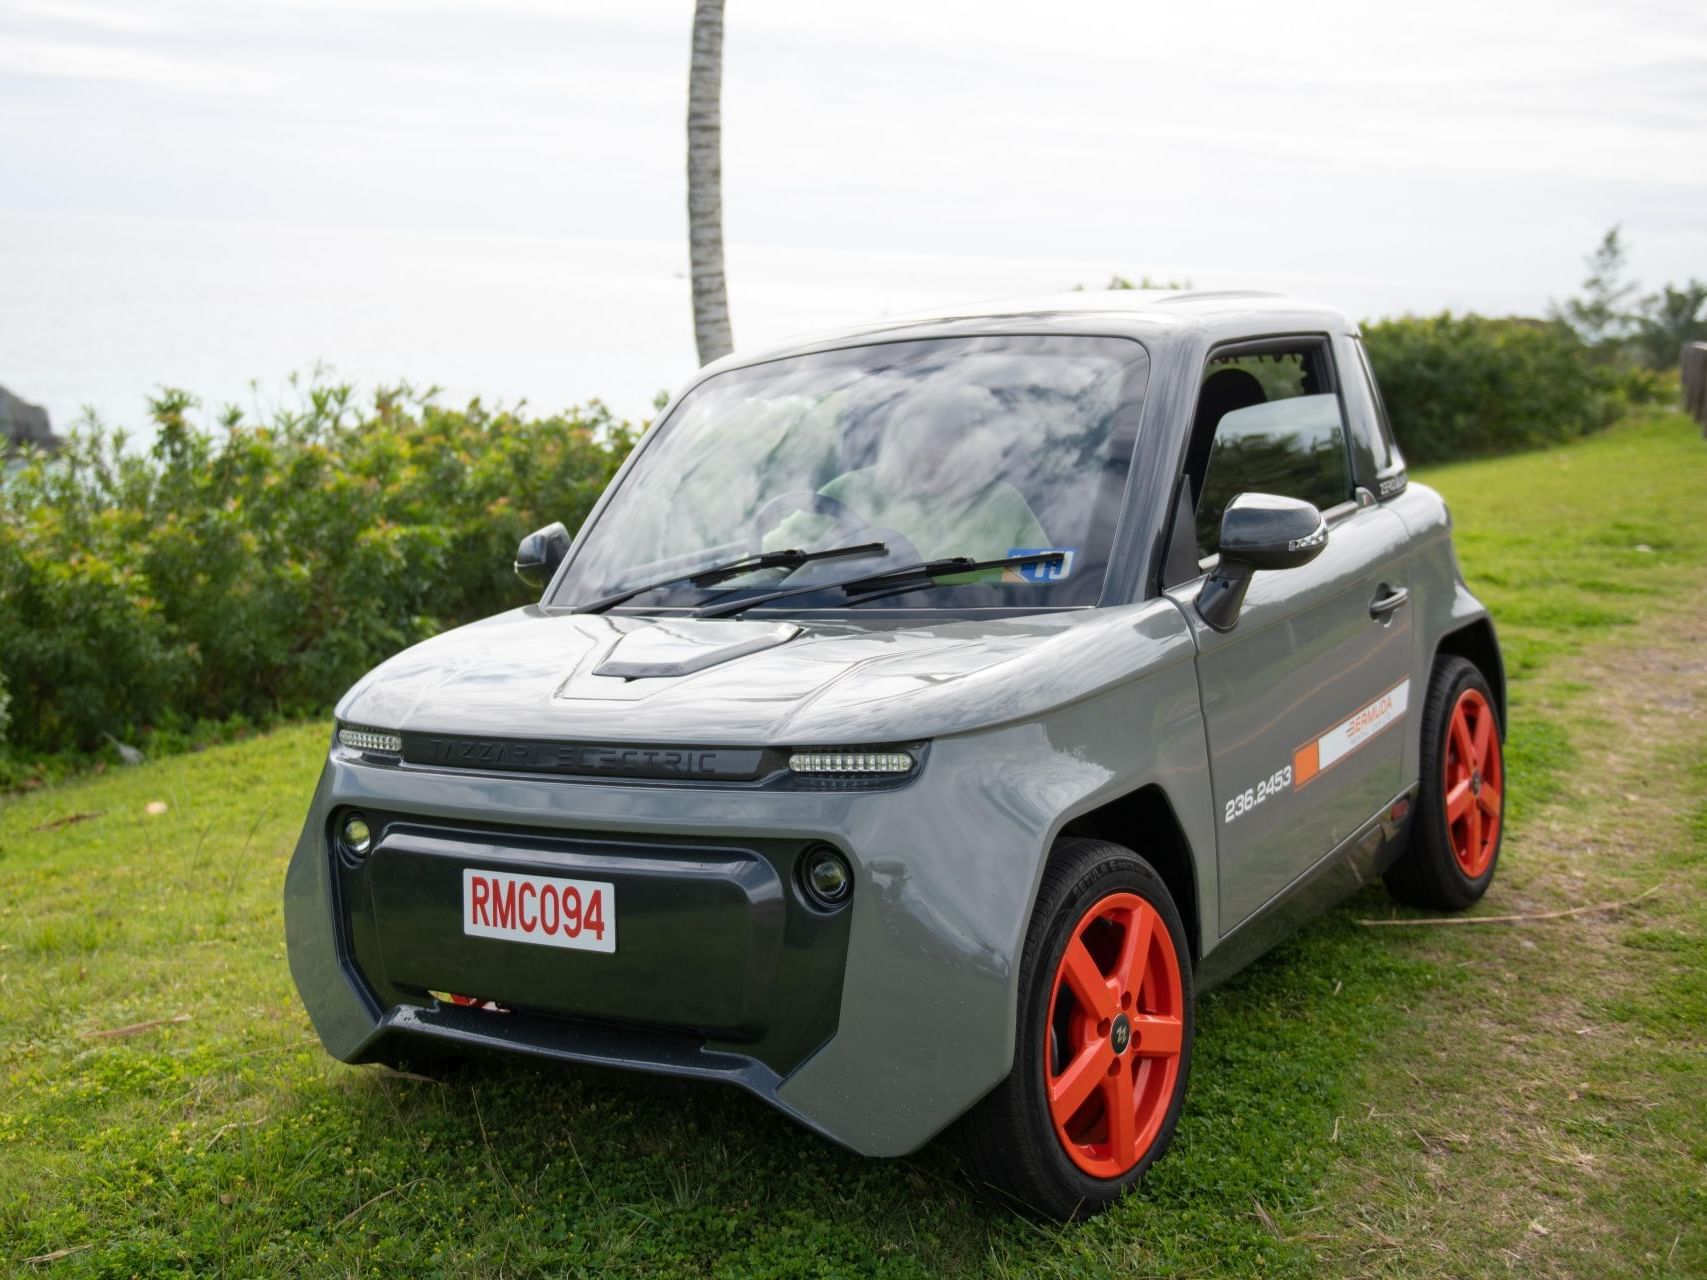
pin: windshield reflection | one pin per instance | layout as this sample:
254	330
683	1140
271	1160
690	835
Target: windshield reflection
978	447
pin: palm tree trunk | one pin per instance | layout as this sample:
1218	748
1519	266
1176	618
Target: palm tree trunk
705	184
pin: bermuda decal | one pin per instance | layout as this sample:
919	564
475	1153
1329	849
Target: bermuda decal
1348	735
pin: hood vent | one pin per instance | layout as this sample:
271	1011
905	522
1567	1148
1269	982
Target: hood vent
680	647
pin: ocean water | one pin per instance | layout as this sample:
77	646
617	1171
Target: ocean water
98	313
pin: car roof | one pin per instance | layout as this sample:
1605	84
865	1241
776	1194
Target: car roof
1163	315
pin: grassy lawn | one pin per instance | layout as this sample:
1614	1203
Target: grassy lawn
1500	1099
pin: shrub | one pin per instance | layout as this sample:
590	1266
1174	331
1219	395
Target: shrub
259	570
1461	386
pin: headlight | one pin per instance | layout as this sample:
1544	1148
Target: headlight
849	764
358	836
369	740
825	878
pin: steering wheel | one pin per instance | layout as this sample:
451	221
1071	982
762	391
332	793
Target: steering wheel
843	519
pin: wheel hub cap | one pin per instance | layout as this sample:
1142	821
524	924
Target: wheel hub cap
1120	1034
1473	784
1115	1036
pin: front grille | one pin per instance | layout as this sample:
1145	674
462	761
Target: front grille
590	759
713	940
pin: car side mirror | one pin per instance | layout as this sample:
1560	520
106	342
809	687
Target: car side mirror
540	553
1258	531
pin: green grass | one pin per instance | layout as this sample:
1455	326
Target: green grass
230	1143
1563	545
1540	1110
1569	546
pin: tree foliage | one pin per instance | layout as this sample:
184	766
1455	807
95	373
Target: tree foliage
1669	319
1459	386
259	570
1145	281
1620	327
1600	313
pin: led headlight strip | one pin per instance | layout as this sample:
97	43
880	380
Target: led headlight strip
852	762
369	740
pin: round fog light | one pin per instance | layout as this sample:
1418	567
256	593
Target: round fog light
828	881
358	839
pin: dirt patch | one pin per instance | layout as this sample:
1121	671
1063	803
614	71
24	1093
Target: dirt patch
1642	704
1509	1129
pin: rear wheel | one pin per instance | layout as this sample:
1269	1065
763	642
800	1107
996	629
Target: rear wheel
1455	839
1103	1046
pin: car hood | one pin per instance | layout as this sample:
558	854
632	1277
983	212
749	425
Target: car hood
602	677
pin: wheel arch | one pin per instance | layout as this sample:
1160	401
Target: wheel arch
1476	642
1144	820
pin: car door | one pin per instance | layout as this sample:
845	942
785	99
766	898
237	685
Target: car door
1302	698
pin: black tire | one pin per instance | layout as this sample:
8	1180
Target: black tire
1429	873
1008	1142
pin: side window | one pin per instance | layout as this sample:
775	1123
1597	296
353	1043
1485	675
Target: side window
1388	462
1268	422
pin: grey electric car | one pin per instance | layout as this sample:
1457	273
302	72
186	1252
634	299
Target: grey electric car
925	715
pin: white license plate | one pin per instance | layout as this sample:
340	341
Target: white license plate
546	910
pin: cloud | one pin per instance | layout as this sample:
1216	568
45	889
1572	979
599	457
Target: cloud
75	13
1101	128
69	59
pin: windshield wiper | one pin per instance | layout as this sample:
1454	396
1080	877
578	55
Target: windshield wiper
792	558
889	582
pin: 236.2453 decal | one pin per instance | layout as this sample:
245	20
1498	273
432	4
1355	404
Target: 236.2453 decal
1251	797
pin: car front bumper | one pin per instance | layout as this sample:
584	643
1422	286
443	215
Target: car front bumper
876	1025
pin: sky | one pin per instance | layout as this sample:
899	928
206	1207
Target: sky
1389	158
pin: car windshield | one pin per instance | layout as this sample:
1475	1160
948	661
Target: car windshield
977	447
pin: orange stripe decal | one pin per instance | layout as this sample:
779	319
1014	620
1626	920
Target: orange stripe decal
1305	763
1350	734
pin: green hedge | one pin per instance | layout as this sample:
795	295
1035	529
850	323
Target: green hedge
259	570
1463	386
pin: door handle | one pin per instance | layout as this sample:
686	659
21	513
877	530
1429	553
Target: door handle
1387	599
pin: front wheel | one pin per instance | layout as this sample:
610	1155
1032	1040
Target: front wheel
1103	1045
1455	838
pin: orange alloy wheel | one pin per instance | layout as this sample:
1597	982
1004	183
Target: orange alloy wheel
1474	785
1116	1017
